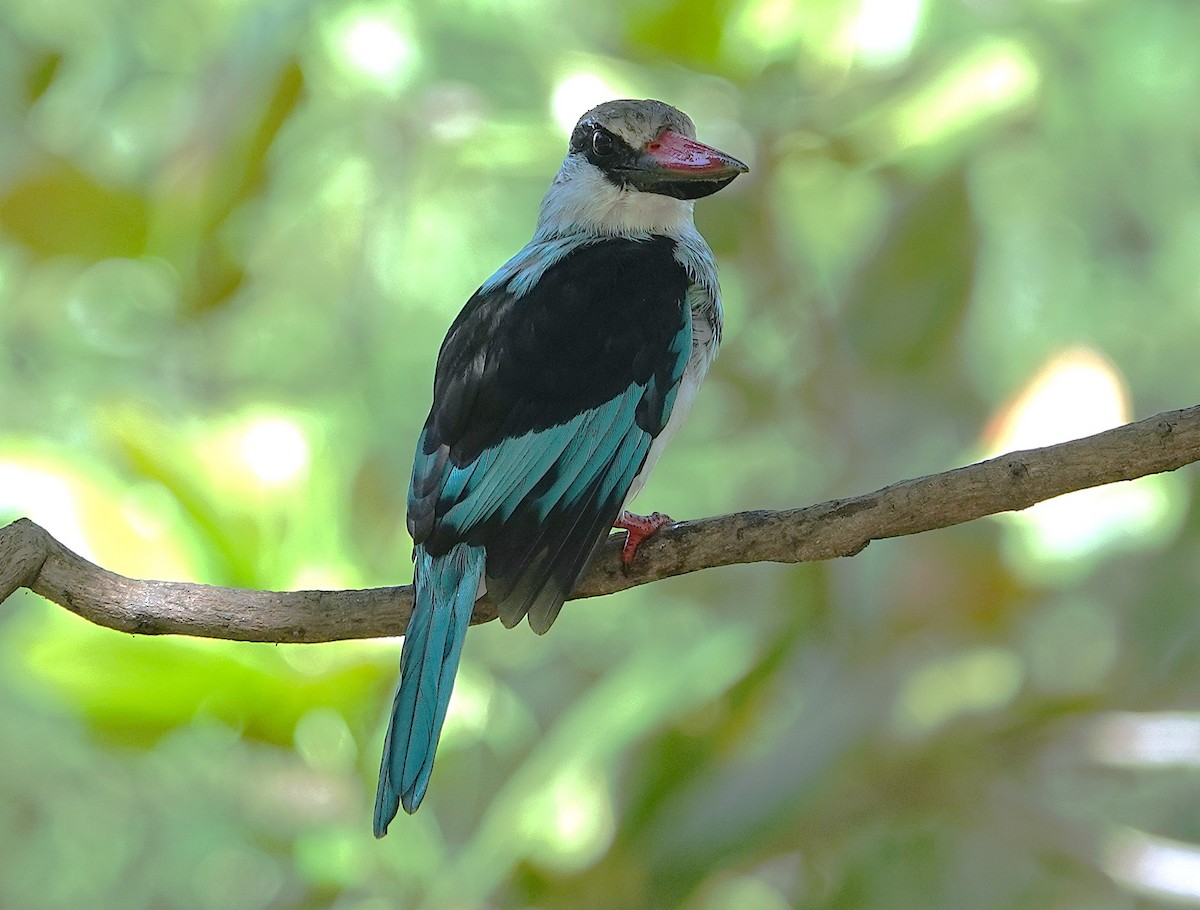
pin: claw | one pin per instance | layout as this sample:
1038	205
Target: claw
639	527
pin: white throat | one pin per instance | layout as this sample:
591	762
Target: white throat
582	198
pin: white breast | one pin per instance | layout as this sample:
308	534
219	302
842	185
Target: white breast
704	350
582	204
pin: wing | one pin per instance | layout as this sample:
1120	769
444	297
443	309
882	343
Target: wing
546	402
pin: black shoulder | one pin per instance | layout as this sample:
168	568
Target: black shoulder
606	315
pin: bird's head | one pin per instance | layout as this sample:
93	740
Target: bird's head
634	166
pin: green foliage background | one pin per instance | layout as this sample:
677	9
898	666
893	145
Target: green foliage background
231	237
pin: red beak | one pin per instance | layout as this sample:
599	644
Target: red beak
685	158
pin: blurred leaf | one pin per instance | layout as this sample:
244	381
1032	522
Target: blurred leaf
135	690
41	75
909	298
57	210
686	31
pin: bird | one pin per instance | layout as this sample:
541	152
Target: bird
556	389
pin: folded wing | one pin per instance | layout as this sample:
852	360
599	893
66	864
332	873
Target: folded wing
547	398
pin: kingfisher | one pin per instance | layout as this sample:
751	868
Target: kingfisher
557	388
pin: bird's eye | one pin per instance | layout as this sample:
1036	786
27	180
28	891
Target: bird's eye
602	144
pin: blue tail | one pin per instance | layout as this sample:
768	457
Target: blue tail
446	588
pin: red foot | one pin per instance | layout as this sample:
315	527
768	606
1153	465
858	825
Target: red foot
639	527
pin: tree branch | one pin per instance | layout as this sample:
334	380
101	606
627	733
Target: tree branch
30	557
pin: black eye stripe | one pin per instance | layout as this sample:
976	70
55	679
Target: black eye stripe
607	151
584	136
581	138
603	144
603	148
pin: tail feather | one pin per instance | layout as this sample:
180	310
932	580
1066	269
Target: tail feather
446	589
